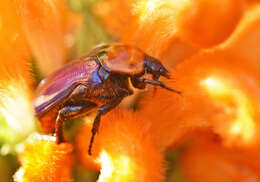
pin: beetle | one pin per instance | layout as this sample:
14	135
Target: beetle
99	80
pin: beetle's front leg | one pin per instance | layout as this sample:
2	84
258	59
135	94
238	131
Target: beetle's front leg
64	114
137	83
101	111
59	128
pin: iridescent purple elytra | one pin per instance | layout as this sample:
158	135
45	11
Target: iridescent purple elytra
57	86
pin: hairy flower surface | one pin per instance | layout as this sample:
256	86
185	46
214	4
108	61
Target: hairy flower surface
228	165
219	94
47	27
124	149
174	30
45	161
16	118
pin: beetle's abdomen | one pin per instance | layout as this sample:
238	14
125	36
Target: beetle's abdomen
47	121
55	88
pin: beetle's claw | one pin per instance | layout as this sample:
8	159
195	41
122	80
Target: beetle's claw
89	152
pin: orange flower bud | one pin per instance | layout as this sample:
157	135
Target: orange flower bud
124	149
44	161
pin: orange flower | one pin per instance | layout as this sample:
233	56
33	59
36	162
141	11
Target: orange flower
215	94
209	22
219	92
15	77
12	39
124	149
14	50
47	27
45	161
181	27
206	160
41	26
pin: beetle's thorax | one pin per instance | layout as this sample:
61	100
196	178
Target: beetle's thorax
114	83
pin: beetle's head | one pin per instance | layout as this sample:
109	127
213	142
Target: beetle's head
155	68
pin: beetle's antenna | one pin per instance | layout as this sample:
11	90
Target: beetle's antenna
155	77
158	83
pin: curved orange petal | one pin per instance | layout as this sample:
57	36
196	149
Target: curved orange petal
244	42
209	22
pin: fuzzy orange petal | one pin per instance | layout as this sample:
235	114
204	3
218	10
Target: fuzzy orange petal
45	24
115	15
206	160
124	148
45	161
219	91
154	32
173	30
209	22
11	35
14	50
15	76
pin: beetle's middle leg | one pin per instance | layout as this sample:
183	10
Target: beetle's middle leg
74	106
102	111
70	112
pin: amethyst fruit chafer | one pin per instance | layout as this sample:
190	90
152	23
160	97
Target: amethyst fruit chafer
98	80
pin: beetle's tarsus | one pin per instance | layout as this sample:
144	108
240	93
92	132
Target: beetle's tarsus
94	131
91	142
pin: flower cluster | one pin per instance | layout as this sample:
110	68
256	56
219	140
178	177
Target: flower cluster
211	48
